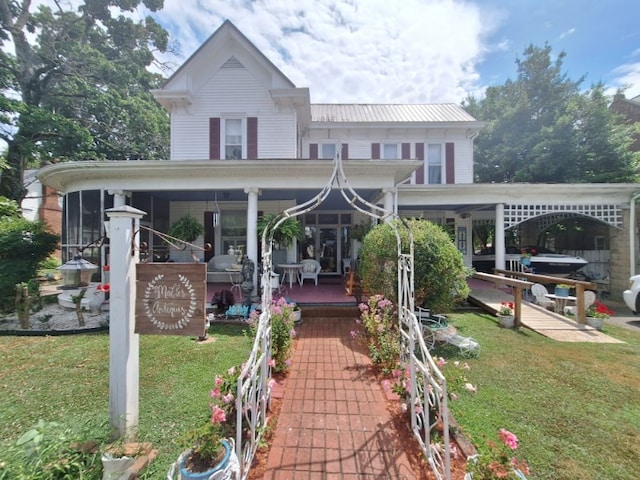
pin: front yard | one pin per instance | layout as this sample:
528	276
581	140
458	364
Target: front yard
573	406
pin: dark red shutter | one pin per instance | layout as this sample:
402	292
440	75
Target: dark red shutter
313	151
375	151
345	151
406	151
420	171
214	138
450	163
252	137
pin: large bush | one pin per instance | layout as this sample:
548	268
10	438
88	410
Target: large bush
440	273
24	245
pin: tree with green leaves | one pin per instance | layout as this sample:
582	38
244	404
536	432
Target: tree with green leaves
75	85
541	128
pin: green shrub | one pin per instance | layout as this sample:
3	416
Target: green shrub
440	273
24	245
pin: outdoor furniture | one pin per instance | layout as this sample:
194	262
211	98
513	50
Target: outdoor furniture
560	301
589	299
291	271
346	265
541	296
310	269
217	268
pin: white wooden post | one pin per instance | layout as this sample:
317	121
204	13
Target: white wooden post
124	361
252	230
498	238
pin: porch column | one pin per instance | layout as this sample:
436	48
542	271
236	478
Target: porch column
124	358
388	202
119	197
252	230
498	240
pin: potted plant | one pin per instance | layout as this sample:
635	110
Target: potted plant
505	315
289	230
562	290
223	299
210	446
597	313
186	229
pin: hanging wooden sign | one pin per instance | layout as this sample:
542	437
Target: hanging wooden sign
170	298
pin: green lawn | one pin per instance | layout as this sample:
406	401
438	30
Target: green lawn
66	379
575	407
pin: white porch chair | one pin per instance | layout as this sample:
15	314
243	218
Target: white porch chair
346	265
589	299
539	291
310	269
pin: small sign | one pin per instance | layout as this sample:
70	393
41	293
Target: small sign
170	298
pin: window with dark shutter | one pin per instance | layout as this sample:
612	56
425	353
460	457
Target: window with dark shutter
313	151
420	171
375	151
345	151
405	151
449	161
252	137
214	138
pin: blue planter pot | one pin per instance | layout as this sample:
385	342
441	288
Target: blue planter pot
186	474
562	292
525	261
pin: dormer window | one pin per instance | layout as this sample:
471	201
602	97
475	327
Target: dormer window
390	151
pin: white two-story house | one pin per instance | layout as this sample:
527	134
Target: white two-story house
246	141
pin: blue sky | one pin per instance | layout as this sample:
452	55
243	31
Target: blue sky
419	51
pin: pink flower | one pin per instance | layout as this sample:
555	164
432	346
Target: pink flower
218	381
272	382
228	398
272	362
215	393
231	371
441	362
217	415
509	439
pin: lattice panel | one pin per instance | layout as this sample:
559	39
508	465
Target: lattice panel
516	214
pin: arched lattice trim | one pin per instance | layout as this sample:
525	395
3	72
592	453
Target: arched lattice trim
515	214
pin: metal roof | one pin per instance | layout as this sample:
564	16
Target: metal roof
388	113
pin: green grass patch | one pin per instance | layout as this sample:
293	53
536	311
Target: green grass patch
574	406
65	379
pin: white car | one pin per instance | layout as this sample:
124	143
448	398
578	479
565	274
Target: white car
632	294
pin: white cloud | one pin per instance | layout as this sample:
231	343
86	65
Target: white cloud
376	51
626	76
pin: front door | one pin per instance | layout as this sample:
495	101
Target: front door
326	240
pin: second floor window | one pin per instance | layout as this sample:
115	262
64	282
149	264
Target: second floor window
434	163
233	138
327	150
390	151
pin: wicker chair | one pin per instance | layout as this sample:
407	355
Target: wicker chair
539	291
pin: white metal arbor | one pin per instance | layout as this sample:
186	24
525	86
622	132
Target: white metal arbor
428	397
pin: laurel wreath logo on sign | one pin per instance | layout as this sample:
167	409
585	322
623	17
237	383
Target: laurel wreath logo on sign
153	306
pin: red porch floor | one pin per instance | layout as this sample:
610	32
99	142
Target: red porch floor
329	291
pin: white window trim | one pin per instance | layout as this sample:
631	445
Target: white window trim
223	134
398	150
336	147
427	164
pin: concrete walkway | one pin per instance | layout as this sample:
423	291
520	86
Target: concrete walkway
334	423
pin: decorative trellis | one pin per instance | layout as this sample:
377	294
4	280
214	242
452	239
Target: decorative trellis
428	404
515	214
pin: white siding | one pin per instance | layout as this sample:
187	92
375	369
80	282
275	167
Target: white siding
233	92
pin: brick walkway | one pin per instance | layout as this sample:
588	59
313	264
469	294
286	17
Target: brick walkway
334	423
